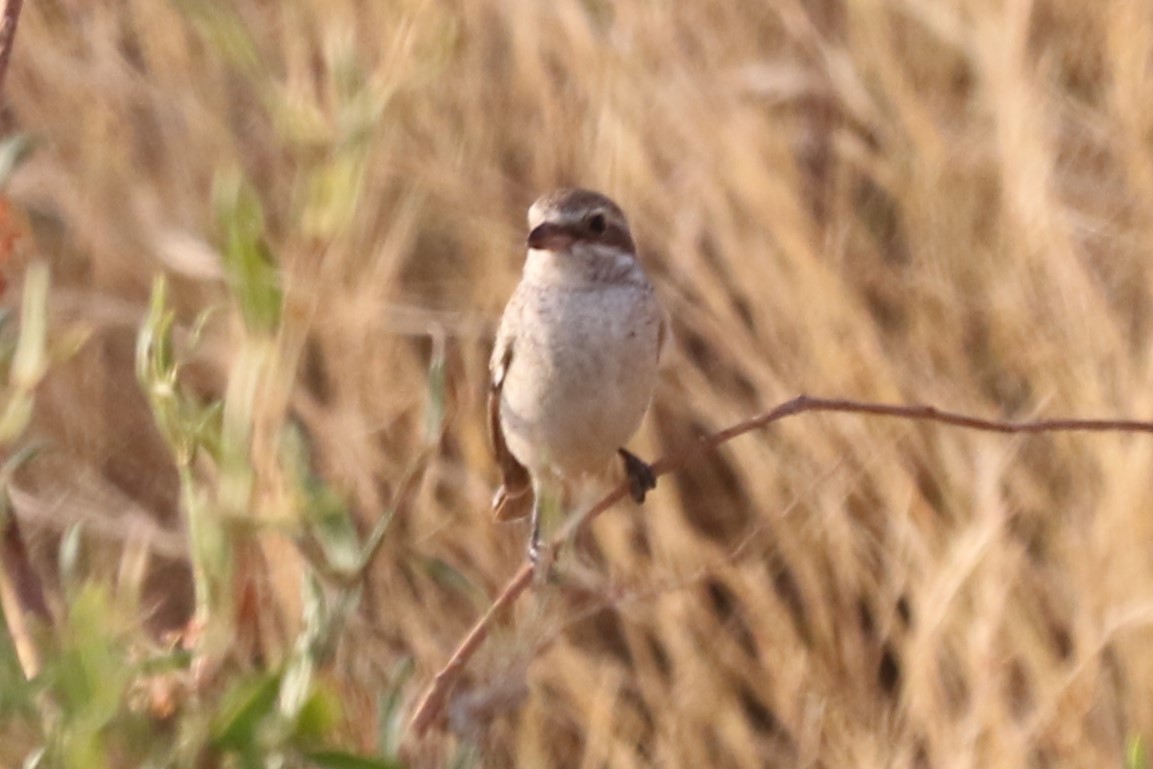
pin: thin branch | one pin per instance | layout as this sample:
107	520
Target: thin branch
9	17
432	704
21	594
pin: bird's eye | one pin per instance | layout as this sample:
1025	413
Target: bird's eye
597	224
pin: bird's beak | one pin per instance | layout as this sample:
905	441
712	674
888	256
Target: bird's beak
550	237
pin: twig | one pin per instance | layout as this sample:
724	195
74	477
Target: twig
432	704
21	595
8	20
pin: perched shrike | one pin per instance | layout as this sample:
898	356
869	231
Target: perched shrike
575	360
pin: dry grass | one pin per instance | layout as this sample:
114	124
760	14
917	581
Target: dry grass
894	200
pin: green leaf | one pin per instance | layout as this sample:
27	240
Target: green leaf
335	759
225	32
329	520
156	371
453	579
434	414
248	264
242	711
71	556
1136	757
30	360
296	686
392	715
14	150
152	358
89	676
332	195
318	717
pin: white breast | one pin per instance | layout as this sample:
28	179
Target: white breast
582	374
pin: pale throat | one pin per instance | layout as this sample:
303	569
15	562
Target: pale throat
584	265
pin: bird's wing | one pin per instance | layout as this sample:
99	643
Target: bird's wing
514	498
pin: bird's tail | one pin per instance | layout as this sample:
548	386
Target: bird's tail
512	505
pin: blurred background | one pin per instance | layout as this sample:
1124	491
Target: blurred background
928	202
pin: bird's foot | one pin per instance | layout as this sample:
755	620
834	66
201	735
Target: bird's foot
640	475
542	557
535	551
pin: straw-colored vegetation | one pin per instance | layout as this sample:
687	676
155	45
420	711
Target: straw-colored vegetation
892	200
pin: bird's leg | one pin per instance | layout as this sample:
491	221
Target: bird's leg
640	475
534	535
546	509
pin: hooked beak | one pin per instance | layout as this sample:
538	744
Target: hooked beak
550	237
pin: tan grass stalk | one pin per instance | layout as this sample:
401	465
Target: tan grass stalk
21	595
9	17
432	704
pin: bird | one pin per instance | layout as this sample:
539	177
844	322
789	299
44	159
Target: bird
575	360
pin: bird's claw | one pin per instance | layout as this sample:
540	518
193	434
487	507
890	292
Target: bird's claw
640	475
